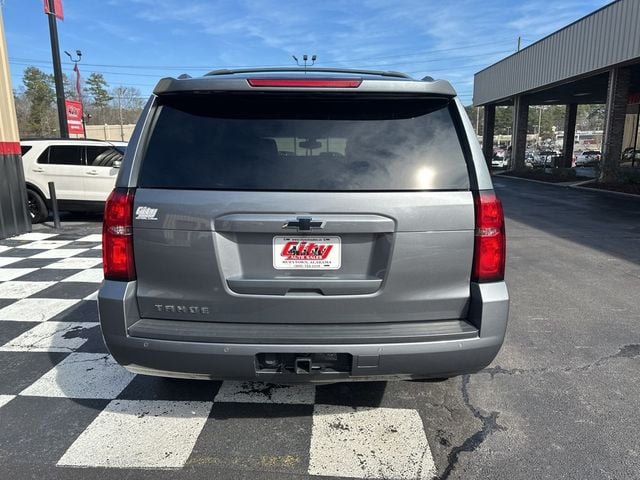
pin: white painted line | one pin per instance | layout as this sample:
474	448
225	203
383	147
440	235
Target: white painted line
90	275
60	253
140	434
369	442
96	237
46	244
34	236
97	247
256	392
75	263
93	296
4	248
35	309
22	289
11	273
50	337
82	375
4	399
4	261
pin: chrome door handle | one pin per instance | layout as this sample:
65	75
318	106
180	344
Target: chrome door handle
92	172
38	170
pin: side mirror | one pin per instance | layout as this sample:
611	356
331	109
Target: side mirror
117	164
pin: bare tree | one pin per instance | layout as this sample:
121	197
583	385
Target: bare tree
128	102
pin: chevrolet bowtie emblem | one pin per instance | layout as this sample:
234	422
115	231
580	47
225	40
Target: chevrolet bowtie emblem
303	224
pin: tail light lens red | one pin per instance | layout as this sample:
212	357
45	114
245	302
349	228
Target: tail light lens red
490	240
117	239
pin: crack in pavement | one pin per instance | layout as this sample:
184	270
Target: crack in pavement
490	422
627	351
36	342
471	443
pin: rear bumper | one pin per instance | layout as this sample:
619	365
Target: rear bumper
429	358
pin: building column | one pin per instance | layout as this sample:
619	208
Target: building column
519	135
488	132
570	116
616	109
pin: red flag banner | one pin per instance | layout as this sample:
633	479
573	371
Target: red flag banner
74	116
57	8
78	90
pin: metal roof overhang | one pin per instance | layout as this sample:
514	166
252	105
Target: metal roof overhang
571	61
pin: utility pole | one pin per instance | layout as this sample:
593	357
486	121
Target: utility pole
539	124
120	93
75	69
57	71
477	120
519	41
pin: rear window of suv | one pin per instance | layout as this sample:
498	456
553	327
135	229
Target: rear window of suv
305	143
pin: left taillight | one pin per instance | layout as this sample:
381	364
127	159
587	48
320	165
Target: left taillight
117	238
490	241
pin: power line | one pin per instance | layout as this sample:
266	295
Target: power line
43	63
209	67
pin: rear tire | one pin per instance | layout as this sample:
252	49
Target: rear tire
37	207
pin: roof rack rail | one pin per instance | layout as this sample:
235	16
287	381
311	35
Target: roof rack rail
383	73
80	139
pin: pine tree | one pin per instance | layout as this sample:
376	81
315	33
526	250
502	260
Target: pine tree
97	88
40	94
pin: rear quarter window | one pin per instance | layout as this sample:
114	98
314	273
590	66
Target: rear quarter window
271	142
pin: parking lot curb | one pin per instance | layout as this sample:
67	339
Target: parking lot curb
557	184
606	192
576	185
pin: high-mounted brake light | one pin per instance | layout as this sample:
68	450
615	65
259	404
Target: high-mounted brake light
305	82
117	240
490	240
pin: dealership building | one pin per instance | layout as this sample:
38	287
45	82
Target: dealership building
595	60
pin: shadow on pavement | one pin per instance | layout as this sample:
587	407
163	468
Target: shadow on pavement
592	219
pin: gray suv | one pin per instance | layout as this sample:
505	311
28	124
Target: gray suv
303	226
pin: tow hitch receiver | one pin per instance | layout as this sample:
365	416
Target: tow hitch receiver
303	363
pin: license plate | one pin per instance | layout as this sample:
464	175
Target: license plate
307	253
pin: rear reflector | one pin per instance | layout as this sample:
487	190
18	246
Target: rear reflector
305	82
490	240
117	240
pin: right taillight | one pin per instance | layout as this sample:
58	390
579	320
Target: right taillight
490	242
117	240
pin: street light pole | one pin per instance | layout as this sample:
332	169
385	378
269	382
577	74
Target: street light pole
75	69
57	71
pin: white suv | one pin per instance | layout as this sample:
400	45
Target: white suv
83	171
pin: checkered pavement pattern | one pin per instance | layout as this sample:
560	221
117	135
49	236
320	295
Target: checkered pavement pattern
64	402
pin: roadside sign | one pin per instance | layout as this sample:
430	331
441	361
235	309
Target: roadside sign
74	116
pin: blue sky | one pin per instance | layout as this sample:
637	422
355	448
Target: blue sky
136	42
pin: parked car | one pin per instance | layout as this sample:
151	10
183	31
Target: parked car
588	158
631	155
499	159
546	157
83	171
529	159
358	237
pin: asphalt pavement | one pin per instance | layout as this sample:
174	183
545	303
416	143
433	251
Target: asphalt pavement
561	400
